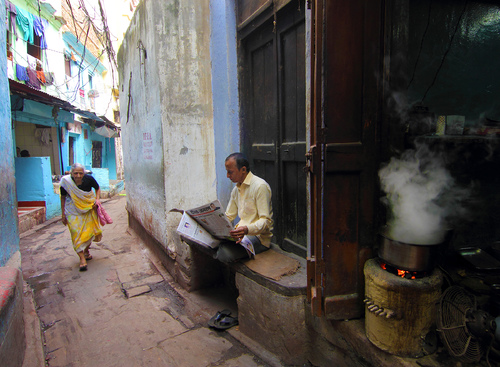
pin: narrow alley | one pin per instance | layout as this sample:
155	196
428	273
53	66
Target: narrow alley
125	310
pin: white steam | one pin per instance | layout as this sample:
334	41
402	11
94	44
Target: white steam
418	189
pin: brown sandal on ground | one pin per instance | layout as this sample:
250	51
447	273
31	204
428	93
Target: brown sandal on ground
83	267
88	256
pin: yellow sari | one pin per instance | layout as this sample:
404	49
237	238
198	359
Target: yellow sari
82	219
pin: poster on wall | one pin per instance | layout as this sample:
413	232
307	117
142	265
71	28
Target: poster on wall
75	127
147	146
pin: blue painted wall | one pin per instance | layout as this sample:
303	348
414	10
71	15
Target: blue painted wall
83	151
34	183
9	228
108	153
224	89
101	175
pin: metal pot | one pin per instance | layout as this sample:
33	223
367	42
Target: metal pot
407	256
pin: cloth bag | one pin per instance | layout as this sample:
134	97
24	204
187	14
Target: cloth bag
103	216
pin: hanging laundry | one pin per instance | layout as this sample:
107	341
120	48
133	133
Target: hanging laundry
10	69
25	21
11	9
21	73
41	76
49	78
32	81
32	61
39	25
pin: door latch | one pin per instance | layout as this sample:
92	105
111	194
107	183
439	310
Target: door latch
309	167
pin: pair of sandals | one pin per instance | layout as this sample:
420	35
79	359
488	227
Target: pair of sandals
223	320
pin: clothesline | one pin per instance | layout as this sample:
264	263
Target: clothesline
32	24
55	85
29	23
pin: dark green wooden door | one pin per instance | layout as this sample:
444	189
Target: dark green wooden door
274	117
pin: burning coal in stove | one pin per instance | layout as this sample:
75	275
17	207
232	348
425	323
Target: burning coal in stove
421	195
407	274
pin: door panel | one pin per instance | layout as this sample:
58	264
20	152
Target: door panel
273	104
345	118
260	131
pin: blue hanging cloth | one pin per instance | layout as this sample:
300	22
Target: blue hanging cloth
39	25
25	21
21	73
11	9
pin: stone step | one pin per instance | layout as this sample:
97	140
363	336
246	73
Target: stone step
30	216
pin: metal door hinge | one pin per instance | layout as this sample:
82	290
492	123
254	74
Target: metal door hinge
309	167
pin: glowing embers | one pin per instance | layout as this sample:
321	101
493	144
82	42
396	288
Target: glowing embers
406	274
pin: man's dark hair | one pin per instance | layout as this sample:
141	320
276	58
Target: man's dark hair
240	159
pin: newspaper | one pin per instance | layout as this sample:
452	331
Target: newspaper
208	225
213	218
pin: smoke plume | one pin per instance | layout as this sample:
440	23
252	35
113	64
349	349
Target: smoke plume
421	196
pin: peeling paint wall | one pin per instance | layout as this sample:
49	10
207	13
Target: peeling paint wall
9	240
167	115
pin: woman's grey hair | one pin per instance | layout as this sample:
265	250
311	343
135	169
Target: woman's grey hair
77	166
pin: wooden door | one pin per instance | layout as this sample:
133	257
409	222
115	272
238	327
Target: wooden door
273	105
346	65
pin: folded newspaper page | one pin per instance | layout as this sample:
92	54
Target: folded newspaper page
248	245
213	218
190	229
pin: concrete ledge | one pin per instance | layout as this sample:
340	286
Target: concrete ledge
12	336
270	312
274	320
290	285
31	218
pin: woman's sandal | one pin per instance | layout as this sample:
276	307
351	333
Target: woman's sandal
83	267
88	256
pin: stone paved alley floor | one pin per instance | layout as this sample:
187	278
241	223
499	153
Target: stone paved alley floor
124	311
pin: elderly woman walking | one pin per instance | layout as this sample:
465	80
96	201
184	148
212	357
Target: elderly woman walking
78	203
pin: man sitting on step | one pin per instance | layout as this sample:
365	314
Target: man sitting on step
251	202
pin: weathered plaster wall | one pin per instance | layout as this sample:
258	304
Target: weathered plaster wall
9	240
166	114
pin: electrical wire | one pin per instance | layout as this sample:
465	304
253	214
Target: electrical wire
446	52
103	35
67	93
421	43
